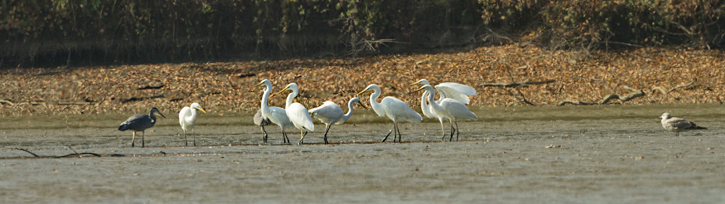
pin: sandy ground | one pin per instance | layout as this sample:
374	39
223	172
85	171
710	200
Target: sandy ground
598	154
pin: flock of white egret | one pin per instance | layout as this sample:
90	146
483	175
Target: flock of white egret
450	106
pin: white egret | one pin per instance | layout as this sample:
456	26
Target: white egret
456	91
297	113
274	114
677	125
140	122
261	122
330	113
393	108
449	108
429	113
187	120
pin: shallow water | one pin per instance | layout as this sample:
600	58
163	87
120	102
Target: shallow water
570	154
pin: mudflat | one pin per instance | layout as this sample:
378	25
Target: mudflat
570	154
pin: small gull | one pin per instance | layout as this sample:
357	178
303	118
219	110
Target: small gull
677	125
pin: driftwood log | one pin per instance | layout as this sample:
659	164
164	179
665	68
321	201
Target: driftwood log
516	84
635	93
673	88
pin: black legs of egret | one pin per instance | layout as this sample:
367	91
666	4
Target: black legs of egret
186	142
302	133
264	138
396	133
327	129
285	138
453	130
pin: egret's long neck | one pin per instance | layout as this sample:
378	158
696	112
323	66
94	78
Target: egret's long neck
349	111
431	101
291	98
423	105
265	98
377	107
193	113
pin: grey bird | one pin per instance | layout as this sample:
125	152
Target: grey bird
259	121
140	122
677	125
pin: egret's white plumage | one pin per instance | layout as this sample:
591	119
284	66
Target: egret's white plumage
677	125
297	113
330	113
393	108
449	108
274	114
187	120
428	112
453	90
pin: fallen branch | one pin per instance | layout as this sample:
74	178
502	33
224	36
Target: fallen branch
6	102
672	89
516	84
636	93
151	87
67	155
140	98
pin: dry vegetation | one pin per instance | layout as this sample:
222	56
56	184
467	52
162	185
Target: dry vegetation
229	86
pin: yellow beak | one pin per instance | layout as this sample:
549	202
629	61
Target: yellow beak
284	89
202	110
363	91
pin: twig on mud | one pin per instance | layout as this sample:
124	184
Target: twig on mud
25	150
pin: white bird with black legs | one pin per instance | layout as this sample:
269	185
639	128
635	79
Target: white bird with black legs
261	122
395	109
428	112
297	113
140	122
187	120
330	113
677	125
448	108
274	114
453	90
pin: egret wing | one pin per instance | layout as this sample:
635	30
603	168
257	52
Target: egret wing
299	116
395	108
457	109
328	112
456	91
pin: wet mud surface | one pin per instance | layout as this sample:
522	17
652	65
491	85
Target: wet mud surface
597	154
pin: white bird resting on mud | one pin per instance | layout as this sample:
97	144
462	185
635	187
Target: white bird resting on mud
274	114
453	90
677	125
187	120
393	108
448	108
140	122
330	113
297	113
261	122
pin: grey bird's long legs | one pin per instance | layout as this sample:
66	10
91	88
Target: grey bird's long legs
133	138
143	140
